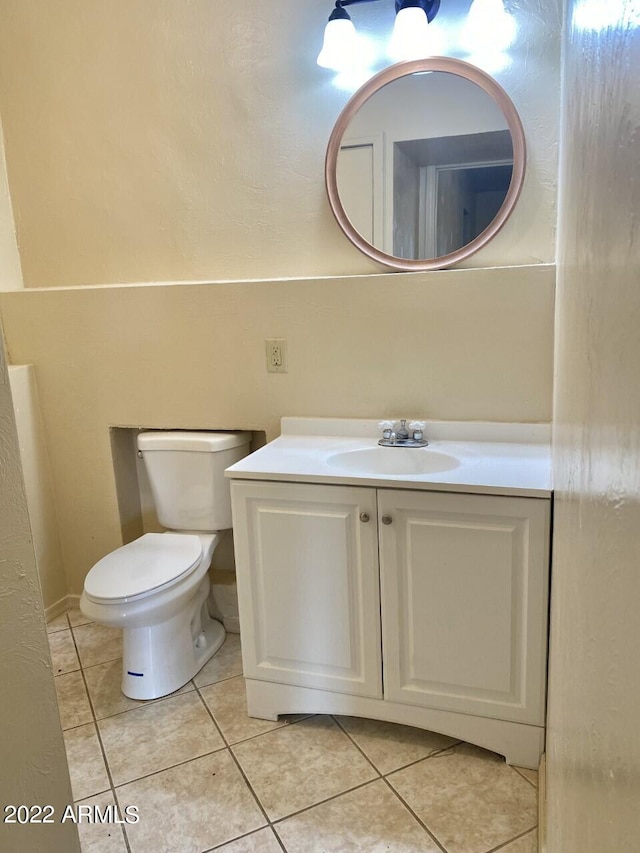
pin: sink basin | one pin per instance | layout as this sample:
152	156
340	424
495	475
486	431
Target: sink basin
393	461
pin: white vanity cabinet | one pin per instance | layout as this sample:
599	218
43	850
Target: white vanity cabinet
464	602
308	585
427	608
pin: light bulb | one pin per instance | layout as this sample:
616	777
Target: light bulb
597	15
488	27
411	36
340	45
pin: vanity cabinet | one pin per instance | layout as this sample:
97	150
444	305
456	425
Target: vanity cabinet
464	602
421	607
308	585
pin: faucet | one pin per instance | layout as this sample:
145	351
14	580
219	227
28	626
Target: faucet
393	436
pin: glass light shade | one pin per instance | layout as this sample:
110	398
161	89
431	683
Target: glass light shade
488	27
340	45
598	15
411	37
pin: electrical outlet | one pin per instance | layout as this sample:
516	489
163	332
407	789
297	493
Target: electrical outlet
276	355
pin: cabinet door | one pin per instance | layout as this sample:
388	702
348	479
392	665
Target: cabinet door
308	586
464	602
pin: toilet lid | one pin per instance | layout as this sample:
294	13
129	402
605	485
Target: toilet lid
149	562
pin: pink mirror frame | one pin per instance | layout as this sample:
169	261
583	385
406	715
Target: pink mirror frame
450	66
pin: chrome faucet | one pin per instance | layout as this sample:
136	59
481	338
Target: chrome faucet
393	436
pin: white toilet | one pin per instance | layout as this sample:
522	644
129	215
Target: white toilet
156	587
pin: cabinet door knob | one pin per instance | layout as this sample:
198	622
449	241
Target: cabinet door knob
364	516
386	519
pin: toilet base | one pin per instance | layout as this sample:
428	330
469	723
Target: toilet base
162	658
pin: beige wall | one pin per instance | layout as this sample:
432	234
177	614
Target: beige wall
593	757
38	488
10	271
34	766
158	140
468	344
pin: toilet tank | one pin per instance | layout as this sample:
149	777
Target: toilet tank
186	474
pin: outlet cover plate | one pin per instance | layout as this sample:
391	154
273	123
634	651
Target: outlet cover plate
276	349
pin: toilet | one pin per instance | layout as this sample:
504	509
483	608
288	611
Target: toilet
156	588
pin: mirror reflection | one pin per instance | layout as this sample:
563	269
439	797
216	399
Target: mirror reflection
425	165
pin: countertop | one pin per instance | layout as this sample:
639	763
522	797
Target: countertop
497	459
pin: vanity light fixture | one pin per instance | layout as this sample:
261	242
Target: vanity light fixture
343	49
488	27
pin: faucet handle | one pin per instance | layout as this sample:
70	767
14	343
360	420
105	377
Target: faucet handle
417	427
387	428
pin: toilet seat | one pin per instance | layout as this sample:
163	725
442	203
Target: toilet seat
146	565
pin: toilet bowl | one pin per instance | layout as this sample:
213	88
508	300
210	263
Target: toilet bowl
156	588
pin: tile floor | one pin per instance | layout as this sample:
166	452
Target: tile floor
206	777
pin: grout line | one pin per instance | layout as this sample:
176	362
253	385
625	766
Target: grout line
235	760
57	630
357	746
286	817
273	823
102	663
437	753
102	749
66	672
145	703
170	767
219	681
285	725
412	812
242	837
526	779
276	835
511	840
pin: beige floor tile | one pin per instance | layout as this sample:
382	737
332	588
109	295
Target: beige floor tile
86	764
101	837
228	703
63	652
60	623
298	766
157	736
107	698
192	807
73	702
263	841
527	844
531	775
370	819
77	617
469	798
97	643
390	746
226	663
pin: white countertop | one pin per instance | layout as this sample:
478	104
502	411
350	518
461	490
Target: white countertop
498	459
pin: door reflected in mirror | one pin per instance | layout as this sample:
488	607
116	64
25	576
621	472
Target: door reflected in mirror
425	164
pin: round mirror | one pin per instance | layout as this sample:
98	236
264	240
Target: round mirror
425	163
